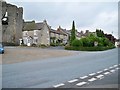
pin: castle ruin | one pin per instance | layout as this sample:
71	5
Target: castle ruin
12	23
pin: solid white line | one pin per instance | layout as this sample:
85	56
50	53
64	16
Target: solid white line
105	69
99	71
81	83
55	86
92	79
107	73
92	74
83	77
100	76
71	81
112	71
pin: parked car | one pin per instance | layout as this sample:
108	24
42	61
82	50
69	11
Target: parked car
1	49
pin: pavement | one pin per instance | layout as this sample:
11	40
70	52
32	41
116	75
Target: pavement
55	72
23	54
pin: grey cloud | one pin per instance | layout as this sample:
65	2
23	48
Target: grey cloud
85	14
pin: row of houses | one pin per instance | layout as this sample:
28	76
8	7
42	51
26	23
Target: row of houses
42	34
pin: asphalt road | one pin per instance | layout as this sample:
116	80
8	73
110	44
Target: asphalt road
55	72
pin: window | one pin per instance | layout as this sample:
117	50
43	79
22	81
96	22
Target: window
48	39
25	33
17	13
36	40
5	19
35	32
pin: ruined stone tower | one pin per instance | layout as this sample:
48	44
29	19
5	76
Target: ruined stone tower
12	23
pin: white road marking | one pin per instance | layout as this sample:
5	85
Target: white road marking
83	77
92	74
117	68
71	81
112	71
81	83
110	67
92	79
106	73
115	65
55	86
105	69
99	71
100	76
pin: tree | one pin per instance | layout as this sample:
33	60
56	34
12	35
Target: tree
72	37
100	33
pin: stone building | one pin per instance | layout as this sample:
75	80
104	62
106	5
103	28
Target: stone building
12	23
0	21
59	36
36	33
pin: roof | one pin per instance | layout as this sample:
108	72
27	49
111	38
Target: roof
39	26
55	31
29	26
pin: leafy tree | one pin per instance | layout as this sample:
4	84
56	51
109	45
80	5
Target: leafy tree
100	33
72	38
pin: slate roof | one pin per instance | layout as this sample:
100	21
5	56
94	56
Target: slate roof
39	26
29	26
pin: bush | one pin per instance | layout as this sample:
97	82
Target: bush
85	41
52	44
42	46
77	43
34	45
9	44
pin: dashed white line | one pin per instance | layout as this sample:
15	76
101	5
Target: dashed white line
105	69
92	79
115	65
117	68
92	74
83	77
71	81
55	86
106	73
110	67
100	76
112	71
81	83
99	71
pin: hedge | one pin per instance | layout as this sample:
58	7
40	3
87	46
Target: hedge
87	48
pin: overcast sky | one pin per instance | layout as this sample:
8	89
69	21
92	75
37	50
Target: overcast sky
87	15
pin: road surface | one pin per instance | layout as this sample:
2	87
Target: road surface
70	71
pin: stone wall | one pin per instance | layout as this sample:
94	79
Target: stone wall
13	23
0	21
